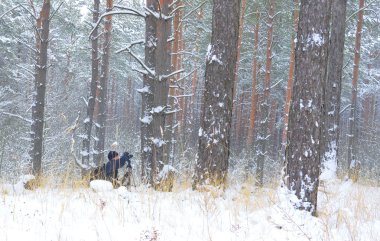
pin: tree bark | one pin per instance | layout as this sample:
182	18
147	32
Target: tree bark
236	79
38	108
264	107
291	71
94	79
252	116
100	126
157	58
334	84
353	163
214	134
304	139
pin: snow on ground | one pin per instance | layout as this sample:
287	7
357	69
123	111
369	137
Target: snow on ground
346	212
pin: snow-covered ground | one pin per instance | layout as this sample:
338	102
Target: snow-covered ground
346	212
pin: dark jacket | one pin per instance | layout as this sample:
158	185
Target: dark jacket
112	166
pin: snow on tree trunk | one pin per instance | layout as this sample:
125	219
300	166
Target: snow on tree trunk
214	133
304	139
154	101
94	78
38	108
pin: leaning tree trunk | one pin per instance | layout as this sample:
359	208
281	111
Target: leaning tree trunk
264	107
38	108
156	79
334	85
354	164
100	126
214	134
304	139
94	78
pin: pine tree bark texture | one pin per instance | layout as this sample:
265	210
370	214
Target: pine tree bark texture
252	116
353	163
291	71
176	61
100	126
38	108
214	133
304	139
94	78
154	102
334	81
262	137
236	107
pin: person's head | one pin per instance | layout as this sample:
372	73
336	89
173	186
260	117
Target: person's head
113	155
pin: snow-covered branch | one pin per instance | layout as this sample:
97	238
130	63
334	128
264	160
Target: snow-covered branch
149	71
141	41
275	84
163	77
157	15
17	116
130	11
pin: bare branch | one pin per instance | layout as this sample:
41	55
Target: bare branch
356	12
34	9
52	15
28	46
195	9
159	7
10	10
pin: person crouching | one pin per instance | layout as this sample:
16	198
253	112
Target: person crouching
115	162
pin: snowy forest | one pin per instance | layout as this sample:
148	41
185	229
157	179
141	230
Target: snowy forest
245	107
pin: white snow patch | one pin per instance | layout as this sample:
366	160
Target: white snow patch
147	119
101	186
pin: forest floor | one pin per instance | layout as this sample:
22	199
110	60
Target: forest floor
346	211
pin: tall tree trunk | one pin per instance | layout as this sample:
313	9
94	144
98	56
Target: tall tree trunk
272	128
236	79
157	59
176	59
94	79
252	116
194	79
291	71
214	134
103	82
38	108
354	164
264	107
304	137
334	86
